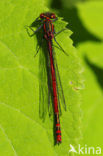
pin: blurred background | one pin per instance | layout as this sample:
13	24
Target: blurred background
85	20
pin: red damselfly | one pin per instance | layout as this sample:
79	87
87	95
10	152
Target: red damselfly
46	20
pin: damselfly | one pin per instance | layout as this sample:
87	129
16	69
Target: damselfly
47	25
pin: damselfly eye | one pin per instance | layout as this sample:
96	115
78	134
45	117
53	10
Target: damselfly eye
41	15
53	16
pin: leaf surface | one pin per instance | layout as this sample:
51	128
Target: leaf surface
22	131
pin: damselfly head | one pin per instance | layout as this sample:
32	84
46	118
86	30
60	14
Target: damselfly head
47	15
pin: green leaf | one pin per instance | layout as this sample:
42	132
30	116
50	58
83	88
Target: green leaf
22	131
90	13
91	55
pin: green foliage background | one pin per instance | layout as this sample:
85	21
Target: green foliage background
84	18
22	132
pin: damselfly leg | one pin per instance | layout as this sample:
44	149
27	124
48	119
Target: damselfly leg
32	30
56	33
60	47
